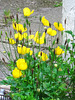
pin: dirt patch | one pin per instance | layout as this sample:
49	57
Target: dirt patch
34	4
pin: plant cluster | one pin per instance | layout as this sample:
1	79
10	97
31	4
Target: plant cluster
39	75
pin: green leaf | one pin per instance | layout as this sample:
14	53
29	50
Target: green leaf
9	54
70	32
49	48
53	43
40	18
68	40
27	21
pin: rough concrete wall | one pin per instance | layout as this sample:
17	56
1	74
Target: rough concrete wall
68	13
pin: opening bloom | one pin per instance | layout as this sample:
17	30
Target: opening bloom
30	36
21	64
55	65
58	51
44	21
51	32
31	52
58	26
27	12
43	55
59	69
25	35
19	27
18	36
16	73
11	41
21	50
38	39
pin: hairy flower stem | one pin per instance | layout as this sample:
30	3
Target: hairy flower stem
15	51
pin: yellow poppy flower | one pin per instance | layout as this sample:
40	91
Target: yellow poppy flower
44	56
27	50
15	26
19	27
59	69
58	51
51	32
30	36
18	36
25	35
44	21
11	41
58	26
39	40
27	12
21	50
31	52
21	64
16	73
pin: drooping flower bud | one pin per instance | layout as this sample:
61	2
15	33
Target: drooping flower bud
49	24
17	18
67	46
65	42
32	70
3	60
65	21
57	40
38	66
30	31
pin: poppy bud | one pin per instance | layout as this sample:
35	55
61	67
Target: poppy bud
5	19
35	78
50	57
45	30
57	40
32	70
55	65
49	24
37	83
20	32
34	58
17	40
65	21
3	60
38	66
38	90
30	31
14	61
67	46
68	70
41	53
65	42
54	52
17	17
15	24
11	17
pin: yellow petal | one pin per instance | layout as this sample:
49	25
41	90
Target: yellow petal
21	64
27	12
30	36
16	73
44	21
11	41
25	35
